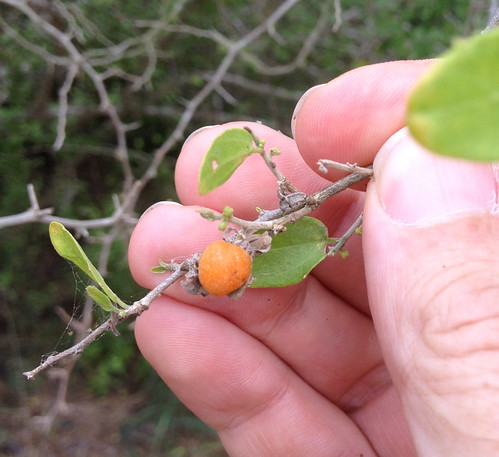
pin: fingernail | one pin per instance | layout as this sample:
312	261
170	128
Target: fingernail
300	104
417	186
161	203
193	134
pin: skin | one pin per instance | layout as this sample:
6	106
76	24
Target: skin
391	352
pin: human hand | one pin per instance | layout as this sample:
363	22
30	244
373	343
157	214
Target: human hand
391	352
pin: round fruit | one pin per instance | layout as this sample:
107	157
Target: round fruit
223	268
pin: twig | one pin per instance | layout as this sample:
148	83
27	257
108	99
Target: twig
273	220
110	325
44	216
32	214
493	20
348	234
348	181
62	116
338	20
35	206
324	164
35	214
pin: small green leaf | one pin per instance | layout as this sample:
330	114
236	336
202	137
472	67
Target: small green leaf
227	152
343	253
294	253
67	247
101	299
163	267
455	107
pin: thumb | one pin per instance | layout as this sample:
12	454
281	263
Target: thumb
431	244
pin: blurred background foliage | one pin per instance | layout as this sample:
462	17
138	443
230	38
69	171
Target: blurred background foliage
158	54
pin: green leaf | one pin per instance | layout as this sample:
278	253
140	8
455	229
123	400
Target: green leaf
455	107
101	299
293	255
67	247
227	152
163	267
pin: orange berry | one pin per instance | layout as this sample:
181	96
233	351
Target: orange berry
223	268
